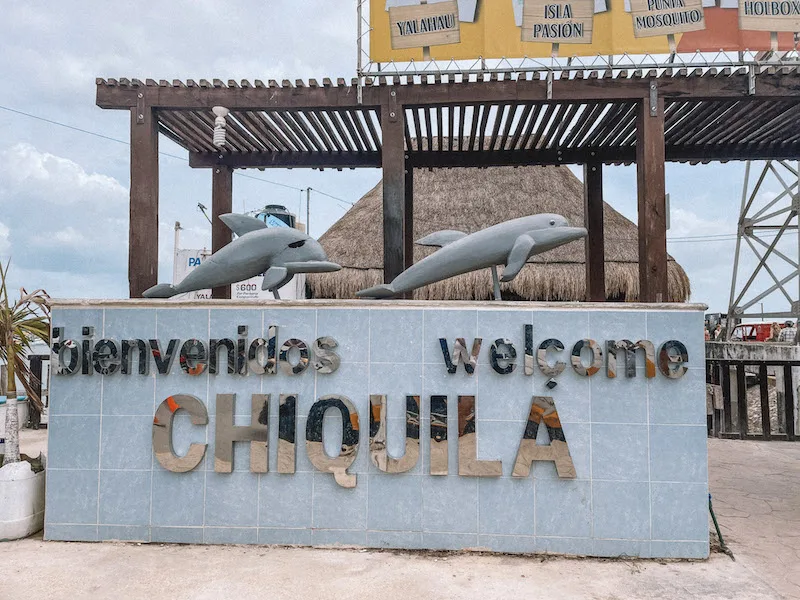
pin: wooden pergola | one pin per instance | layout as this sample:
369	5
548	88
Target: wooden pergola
590	118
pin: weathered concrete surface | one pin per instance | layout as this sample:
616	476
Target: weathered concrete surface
109	570
755	487
756	494
752	351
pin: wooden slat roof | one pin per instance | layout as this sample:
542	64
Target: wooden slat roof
468	120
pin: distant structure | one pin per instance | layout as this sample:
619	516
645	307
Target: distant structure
469	200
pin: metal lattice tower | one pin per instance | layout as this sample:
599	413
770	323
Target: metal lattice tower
765	221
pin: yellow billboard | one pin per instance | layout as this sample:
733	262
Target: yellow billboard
405	30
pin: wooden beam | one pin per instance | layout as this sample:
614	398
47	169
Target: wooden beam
282	160
651	186
521	90
394	197
408	218
593	221
143	231
221	203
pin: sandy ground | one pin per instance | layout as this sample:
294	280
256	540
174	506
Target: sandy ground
755	495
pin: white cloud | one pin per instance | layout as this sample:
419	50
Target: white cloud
57	180
62	219
5	243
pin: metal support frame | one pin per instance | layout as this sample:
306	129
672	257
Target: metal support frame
763	223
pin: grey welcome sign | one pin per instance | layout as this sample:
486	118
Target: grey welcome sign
512	427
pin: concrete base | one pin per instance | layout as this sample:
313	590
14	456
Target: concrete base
21	501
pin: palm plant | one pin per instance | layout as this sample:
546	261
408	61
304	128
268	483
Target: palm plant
21	324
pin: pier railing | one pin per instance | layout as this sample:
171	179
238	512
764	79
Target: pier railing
752	390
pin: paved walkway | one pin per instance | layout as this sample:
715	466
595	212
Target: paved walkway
756	494
755	487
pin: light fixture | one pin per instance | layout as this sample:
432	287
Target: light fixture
219	125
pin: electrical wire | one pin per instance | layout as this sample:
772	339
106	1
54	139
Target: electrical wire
181	158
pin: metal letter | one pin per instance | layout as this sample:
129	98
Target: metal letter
193	357
241	350
213	352
495	356
545	367
162	433
272	350
377	435
163	361
315	447
86	358
543	408
468	463
438	435
597	357
325	359
528	349
74	364
287	432
283	357
106	357
127	356
255	433
629	353
258	347
460	353
678	359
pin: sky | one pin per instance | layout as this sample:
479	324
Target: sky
64	191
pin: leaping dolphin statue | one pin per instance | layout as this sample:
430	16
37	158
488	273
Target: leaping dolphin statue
277	252
510	243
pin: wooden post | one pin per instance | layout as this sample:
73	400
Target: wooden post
394	196
593	221
408	218
652	200
143	228
221	203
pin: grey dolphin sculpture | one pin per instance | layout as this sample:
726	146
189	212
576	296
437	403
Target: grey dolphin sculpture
510	243
277	252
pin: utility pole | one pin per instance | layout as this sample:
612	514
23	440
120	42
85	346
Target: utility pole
308	211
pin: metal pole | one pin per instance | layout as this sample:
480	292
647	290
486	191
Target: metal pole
175	251
731	322
308	211
496	284
358	49
795	203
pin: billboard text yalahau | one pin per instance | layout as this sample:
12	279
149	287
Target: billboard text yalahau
403	30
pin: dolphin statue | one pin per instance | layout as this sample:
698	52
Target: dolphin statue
276	252
510	243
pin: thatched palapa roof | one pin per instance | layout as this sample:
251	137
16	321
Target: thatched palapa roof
469	199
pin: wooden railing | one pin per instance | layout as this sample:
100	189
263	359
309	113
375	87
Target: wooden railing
751	391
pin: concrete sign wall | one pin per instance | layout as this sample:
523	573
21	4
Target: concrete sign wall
513	427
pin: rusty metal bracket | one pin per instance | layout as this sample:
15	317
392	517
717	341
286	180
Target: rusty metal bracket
653	99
